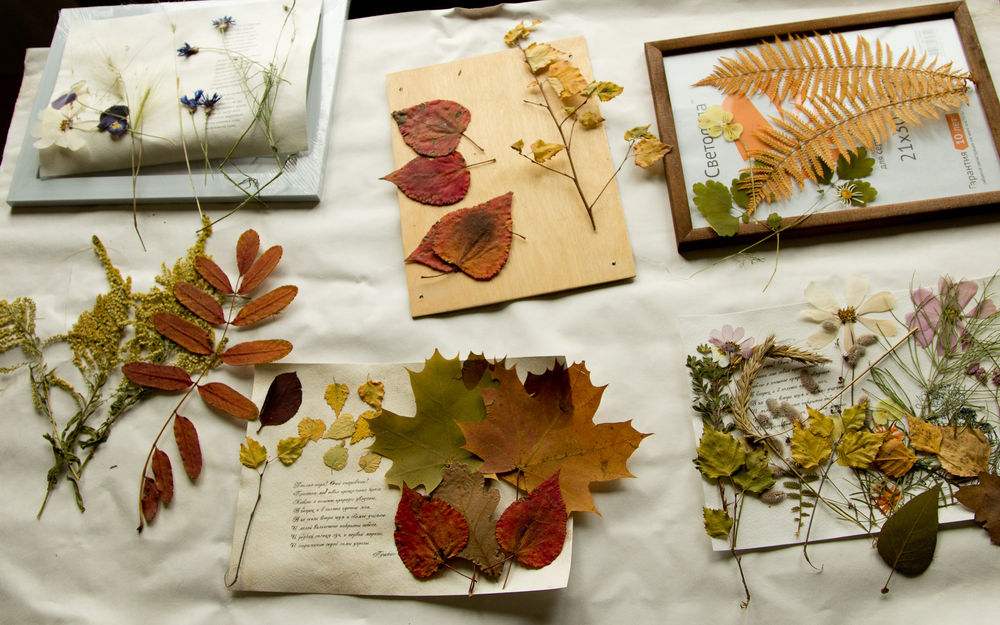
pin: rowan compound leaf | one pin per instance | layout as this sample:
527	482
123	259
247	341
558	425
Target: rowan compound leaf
160	377
163	476
290	449
540	55
227	399
756	475
718	523
543	151
260	269
213	274
719	454
421	446
894	458
372	393
335	458
590	120
252	454
200	302
808	449
363	428
428	532
909	537
713	201
984	500
433	128
266	305
466	491
528	437
256	352
342	427
369	462
311	429
566	79
534	528
476	239
247	247
149	500
186	437
336	395
648	151
190	336
964	452
439	181
858	449
284	396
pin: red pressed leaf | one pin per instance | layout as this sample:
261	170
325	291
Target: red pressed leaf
435	181
256	352
266	305
162	377
187	443
534	528
428	532
188	335
477	239
246	250
163	475
433	128
213	274
283	399
260	269
150	499
424	254
200	302
228	400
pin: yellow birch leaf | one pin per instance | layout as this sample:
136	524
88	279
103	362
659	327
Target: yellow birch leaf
719	454
369	462
363	429
590	120
289	449
521	31
543	151
336	395
540	56
965	451
858	449
335	458
252	454
311	429
639	132
820	424
343	427
648	151
854	417
894	458
566	79
371	393
717	523
808	449
518	145
925	437
605	90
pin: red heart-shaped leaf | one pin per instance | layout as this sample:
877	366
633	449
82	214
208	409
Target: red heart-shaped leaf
477	239
424	254
534	528
428	532
433	128
436	181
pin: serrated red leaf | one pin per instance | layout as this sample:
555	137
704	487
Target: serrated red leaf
284	396
188	335
435	181
150	499
260	269
424	254
228	400
256	352
477	239
428	532
984	500
200	302
163	475
213	274
266	305
161	377
187	444
246	250
534	528
433	128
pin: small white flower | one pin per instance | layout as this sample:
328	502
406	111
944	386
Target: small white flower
58	128
832	316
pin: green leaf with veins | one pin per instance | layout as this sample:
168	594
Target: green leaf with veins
740	197
717	522
714	201
909	537
774	221
756	475
719	454
855	165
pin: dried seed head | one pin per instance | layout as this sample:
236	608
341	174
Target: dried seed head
774	406
772	496
790	412
808	382
866	340
779	471
763	420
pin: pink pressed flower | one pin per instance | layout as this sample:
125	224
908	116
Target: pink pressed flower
729	343
942	316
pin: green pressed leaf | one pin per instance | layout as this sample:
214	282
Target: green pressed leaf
855	165
854	417
717	523
808	449
740	197
909	537
719	454
864	193
252	454
714	201
773	221
756	475
335	458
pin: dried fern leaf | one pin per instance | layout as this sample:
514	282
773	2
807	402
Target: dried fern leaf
803	68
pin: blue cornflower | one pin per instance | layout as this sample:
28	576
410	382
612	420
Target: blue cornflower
187	50
114	119
190	103
210	102
223	23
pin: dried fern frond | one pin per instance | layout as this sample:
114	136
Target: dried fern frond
799	146
809	67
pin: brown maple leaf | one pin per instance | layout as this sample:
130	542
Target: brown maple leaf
528	436
984	499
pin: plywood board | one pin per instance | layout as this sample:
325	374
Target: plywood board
554	248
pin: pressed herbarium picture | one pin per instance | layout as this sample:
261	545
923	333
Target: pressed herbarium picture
818	126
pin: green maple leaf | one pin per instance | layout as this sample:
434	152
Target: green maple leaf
421	446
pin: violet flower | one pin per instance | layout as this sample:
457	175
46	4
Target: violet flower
114	120
730	345
223	23
187	50
941	318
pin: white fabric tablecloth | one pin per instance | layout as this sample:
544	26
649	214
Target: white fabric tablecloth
647	559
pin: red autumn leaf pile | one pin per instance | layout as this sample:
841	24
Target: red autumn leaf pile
194	337
475	240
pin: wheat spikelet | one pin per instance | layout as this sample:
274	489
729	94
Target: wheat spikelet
744	385
804	356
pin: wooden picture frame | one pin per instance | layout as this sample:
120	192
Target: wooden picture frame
691	235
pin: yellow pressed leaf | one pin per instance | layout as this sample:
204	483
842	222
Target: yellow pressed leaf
894	458
336	395
256	352
858	449
543	151
820	424
964	452
518	145
372	392
363	428
590	120
311	429
519	32
200	302
925	437
228	400
335	458
260	269
566	79
252	454
369	462
289	449
648	151
540	56
808	449
188	335
342	427
266	305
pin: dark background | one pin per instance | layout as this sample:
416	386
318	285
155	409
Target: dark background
33	22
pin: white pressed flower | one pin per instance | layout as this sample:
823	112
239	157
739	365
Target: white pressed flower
57	128
832	316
